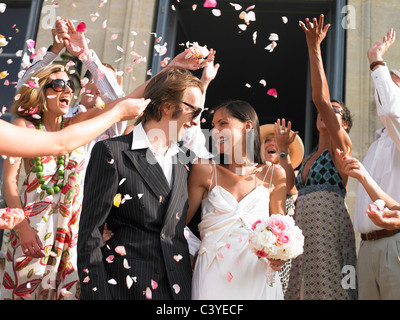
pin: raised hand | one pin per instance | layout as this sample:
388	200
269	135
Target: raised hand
76	42
209	73
378	49
283	135
315	31
59	32
192	63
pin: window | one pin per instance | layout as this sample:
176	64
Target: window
244	63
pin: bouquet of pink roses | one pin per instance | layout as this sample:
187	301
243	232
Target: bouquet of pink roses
276	238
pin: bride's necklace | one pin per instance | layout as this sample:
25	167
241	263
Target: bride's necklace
60	170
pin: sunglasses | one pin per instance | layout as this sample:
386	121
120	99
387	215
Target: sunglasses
337	109
196	111
59	85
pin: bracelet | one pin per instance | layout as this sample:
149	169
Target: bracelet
376	63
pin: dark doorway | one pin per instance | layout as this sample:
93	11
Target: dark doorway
244	63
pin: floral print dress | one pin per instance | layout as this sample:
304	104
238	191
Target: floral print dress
55	218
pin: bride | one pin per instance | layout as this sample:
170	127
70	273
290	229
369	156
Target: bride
233	196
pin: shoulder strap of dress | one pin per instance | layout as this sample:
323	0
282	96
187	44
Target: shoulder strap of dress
272	168
214	171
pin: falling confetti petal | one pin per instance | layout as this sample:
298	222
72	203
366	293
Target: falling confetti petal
114	36
122	181
210	4
284	19
120	250
236	6
117	200
254	37
81	27
112	281
263	82
3	7
140	195
176	288
30	43
110	259
271	46
148	293
230	277
273	37
129	281
178	258
216	12
3	74
126	264
154	285
272	92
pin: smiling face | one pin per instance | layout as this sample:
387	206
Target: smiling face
58	101
271	149
183	115
228	132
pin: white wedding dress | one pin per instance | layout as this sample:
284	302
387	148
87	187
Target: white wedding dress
226	269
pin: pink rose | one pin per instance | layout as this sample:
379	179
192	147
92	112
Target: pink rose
282	239
277	225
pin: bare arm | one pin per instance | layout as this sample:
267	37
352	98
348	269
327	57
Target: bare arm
197	187
283	141
277	202
24	142
315	33
354	168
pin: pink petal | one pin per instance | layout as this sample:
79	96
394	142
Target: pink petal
210	4
110	259
30	43
176	288
114	36
178	258
120	250
164	63
32	84
230	277
154	285
148	293
81	27
272	92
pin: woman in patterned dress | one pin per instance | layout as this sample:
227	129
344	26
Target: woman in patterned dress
325	268
41	253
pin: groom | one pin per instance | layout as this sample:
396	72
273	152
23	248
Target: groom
136	184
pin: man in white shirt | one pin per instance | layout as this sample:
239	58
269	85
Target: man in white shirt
378	266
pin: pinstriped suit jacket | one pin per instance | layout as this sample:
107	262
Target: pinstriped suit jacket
150	225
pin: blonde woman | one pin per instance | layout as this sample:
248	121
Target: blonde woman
41	256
